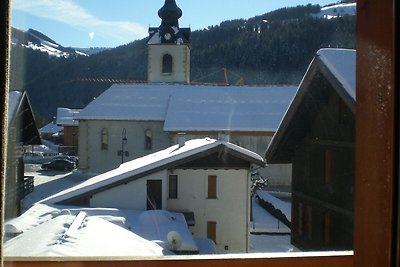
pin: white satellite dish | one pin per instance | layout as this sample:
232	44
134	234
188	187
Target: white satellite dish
174	240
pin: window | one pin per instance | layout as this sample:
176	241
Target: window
104	139
328	166
167	64
212	231
212	187
154	194
300	212
173	186
376	48
327	229
309	222
148	139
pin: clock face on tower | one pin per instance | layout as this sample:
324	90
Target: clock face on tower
167	36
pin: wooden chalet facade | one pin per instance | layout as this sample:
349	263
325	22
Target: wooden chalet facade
22	131
317	136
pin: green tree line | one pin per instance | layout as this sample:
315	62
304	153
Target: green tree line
274	48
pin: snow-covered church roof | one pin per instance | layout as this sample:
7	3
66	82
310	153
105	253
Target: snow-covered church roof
194	108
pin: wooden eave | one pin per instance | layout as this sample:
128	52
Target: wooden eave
228	159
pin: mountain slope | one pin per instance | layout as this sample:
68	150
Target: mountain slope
38	41
274	48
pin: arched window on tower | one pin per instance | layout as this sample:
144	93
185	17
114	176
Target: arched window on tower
167	64
148	139
104	139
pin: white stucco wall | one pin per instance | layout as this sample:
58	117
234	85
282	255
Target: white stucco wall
230	210
93	158
181	63
132	195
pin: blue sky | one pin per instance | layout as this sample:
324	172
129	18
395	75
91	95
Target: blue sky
110	23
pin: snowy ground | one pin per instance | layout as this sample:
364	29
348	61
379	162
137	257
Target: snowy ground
48	183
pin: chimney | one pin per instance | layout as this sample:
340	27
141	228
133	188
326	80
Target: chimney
223	136
181	139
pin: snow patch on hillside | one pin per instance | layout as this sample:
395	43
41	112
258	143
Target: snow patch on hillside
338	10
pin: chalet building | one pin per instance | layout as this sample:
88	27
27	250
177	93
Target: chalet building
66	118
22	131
317	136
129	121
52	132
207	180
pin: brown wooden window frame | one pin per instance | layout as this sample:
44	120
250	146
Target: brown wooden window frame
328	166
212	187
376	157
327	229
300	214
212	231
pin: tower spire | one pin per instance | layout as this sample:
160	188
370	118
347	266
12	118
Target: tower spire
169	47
169	30
169	14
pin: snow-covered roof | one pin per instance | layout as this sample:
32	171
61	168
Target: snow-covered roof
67	116
169	157
129	102
51	128
338	67
58	231
228	109
342	64
155	39
195	108
14	99
19	109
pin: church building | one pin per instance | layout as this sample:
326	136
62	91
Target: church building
129	121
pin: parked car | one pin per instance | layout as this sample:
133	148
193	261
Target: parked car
68	157
33	157
59	164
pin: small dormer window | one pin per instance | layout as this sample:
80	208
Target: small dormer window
167	64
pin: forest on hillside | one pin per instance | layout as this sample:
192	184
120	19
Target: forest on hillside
274	48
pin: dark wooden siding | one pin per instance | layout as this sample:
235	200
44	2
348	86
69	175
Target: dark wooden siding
323	177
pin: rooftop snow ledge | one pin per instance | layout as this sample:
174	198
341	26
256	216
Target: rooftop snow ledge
266	256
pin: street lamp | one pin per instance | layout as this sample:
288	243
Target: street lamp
123	144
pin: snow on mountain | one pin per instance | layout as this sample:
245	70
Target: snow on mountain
51	50
91	50
338	10
35	40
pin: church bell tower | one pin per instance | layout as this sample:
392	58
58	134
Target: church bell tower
169	48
